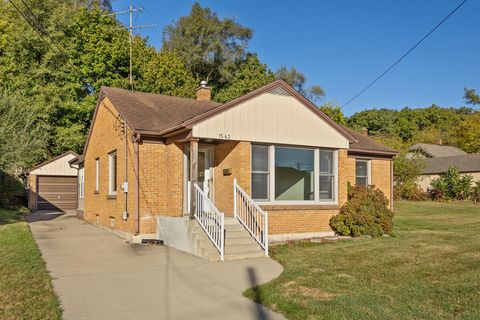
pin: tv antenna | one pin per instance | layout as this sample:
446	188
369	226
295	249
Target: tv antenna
130	28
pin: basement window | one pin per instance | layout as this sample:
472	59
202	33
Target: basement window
112	173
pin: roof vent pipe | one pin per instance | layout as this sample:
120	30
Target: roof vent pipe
204	93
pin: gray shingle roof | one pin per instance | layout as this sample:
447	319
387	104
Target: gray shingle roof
367	144
154	112
434	150
464	163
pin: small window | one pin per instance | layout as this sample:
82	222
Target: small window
362	172
260	173
112	173
97	174
327	176
81	181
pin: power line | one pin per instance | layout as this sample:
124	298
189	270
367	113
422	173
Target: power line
42	32
405	54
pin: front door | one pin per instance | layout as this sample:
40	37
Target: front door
205	173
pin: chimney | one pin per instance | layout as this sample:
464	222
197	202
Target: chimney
204	93
365	132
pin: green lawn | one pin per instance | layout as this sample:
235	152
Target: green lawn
25	286
430	269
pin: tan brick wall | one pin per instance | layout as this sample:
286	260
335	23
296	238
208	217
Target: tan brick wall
161	182
106	137
299	221
380	174
235	156
32	191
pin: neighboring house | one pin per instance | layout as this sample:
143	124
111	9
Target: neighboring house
466	164
438	158
427	150
52	185
153	162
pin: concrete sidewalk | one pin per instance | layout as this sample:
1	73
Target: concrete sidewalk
98	276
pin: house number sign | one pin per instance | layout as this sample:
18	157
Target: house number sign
224	136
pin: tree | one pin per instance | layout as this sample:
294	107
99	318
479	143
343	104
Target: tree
334	111
471	97
210	47
165	73
297	80
22	136
451	185
250	75
468	133
407	168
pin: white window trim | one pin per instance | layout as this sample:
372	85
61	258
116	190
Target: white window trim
262	172
111	192
97	174
81	183
316	201
369	170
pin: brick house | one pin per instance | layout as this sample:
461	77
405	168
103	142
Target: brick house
222	179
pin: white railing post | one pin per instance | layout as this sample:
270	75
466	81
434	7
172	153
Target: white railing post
235	197
265	235
222	237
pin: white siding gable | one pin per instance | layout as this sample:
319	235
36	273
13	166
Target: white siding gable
59	167
271	118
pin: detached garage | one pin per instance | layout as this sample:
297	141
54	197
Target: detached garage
53	185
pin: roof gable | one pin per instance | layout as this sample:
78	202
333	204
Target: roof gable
278	87
274	116
58	165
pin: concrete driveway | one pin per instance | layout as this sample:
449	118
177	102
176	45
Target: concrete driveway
98	276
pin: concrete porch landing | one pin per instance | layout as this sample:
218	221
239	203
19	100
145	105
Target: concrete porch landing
98	276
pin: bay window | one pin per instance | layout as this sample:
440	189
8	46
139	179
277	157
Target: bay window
282	174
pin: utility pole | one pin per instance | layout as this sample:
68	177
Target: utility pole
130	11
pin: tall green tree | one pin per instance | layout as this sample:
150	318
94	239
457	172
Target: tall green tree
22	134
468	133
471	97
250	75
334	111
297	80
211	47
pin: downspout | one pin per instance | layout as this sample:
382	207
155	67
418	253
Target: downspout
391	184
137	183
125	183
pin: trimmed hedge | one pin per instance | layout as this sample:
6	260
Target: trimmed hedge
365	213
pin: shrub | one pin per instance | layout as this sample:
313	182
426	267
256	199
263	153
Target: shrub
451	185
476	192
407	168
365	213
12	192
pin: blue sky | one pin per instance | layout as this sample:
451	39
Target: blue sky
343	45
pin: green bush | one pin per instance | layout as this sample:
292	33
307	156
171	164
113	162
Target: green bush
406	170
12	192
451	185
365	213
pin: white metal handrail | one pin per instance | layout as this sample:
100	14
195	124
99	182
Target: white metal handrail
210	219
251	216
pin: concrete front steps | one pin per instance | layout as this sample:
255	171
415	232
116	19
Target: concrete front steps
239	244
